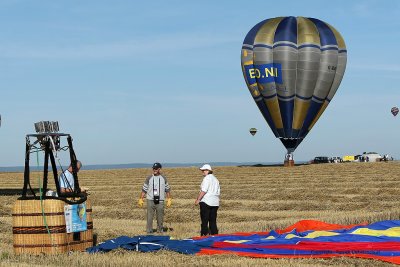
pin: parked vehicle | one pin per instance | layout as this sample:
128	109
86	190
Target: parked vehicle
336	160
349	158
370	157
321	159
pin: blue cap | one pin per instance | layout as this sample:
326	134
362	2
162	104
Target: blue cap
157	165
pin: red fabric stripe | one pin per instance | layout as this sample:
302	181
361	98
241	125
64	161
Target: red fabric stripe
307	225
391	259
319	246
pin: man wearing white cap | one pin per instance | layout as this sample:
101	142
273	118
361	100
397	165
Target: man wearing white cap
209	201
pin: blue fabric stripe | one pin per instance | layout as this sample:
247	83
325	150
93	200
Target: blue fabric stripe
251	35
329	48
343	51
309	45
286	30
304	98
263	45
320	99
283	44
286	97
269	97
247	48
382	225
286	108
326	35
312	112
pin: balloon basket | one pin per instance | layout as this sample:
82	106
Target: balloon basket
39	227
288	163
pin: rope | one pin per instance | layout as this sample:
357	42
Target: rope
63	177
66	182
41	201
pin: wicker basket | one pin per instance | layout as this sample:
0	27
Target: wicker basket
288	163
30	233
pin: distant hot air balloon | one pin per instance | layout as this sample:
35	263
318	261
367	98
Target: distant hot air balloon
253	131
395	111
293	67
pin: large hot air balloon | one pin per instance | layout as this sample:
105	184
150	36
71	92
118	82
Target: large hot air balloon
253	131
395	111
293	67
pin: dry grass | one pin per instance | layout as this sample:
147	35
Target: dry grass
253	199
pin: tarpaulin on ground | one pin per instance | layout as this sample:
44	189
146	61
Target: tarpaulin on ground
305	239
151	243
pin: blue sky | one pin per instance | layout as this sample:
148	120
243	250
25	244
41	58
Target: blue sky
145	81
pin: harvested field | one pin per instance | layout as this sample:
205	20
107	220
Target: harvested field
253	199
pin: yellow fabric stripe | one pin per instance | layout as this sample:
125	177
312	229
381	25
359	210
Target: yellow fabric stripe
250	62
236	241
266	33
319	114
307	32
300	112
273	108
290	236
320	233
254	90
313	234
339	38
392	232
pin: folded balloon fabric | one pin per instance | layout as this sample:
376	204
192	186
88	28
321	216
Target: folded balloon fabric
304	239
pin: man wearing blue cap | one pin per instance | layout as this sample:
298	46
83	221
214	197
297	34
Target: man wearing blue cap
157	190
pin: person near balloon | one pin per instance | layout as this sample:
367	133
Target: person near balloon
157	191
208	199
66	179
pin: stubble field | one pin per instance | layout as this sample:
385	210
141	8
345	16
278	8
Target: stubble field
252	199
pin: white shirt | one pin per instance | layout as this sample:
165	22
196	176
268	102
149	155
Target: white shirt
210	186
66	176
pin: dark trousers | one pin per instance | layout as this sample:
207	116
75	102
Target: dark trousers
208	215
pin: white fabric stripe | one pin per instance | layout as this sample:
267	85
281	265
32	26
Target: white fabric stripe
285	42
328	46
247	45
150	243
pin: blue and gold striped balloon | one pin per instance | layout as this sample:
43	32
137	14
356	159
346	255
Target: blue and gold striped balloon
395	111
293	67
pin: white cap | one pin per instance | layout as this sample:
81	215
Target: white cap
206	167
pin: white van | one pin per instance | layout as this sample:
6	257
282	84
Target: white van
371	157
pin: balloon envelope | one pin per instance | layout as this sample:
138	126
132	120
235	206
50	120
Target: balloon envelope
253	131
395	111
293	67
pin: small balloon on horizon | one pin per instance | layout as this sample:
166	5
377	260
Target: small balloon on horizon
253	131
394	111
